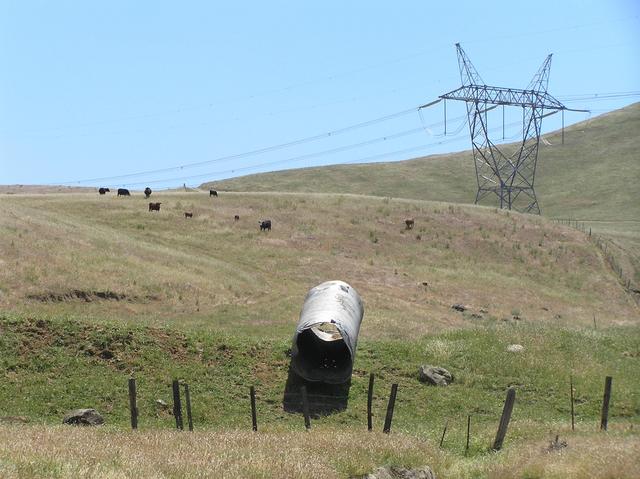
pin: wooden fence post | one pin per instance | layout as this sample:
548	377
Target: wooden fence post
187	398
305	408
466	448
444	431
390	406
177	406
370	403
573	427
504	419
254	416
132	403
605	403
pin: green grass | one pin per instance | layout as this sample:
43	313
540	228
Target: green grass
53	365
96	289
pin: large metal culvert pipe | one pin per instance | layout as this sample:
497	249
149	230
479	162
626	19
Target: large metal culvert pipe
324	345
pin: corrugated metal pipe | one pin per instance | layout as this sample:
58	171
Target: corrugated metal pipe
324	345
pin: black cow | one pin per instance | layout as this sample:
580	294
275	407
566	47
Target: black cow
213	193
410	222
265	225
102	191
123	192
154	206
188	215
147	192
236	218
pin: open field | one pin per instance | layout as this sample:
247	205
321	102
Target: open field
96	289
53	365
109	257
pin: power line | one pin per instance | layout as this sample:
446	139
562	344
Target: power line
323	153
581	97
332	151
249	153
292	159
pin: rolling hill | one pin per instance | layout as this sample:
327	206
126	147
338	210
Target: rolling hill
590	177
594	178
108	256
96	289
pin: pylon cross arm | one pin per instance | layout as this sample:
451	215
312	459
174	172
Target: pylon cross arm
493	95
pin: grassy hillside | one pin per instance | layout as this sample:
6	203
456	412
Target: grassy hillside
96	289
593	177
110	257
590	177
53	365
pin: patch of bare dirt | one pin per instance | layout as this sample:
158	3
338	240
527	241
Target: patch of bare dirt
88	296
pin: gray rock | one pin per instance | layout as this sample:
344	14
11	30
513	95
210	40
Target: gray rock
83	417
394	472
515	348
435	375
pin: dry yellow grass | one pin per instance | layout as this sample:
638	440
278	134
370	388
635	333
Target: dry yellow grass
213	271
67	452
594	457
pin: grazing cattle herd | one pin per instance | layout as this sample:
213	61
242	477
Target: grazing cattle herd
265	225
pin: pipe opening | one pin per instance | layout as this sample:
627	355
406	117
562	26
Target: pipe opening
322	354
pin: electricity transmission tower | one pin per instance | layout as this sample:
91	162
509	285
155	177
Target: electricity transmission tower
509	176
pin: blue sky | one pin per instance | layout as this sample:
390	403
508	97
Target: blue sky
101	89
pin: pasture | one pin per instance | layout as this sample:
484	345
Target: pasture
95	289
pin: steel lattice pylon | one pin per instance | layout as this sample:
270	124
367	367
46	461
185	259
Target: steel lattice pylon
509	177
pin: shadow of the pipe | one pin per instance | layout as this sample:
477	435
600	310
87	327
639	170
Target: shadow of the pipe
323	398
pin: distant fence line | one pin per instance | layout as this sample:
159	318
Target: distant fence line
603	246
303	395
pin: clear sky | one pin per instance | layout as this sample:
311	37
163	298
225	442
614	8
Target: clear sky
106	88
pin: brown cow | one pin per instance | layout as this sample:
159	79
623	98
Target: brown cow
410	223
188	215
154	206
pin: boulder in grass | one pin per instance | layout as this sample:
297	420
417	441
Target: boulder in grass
435	375
394	472
515	348
83	417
